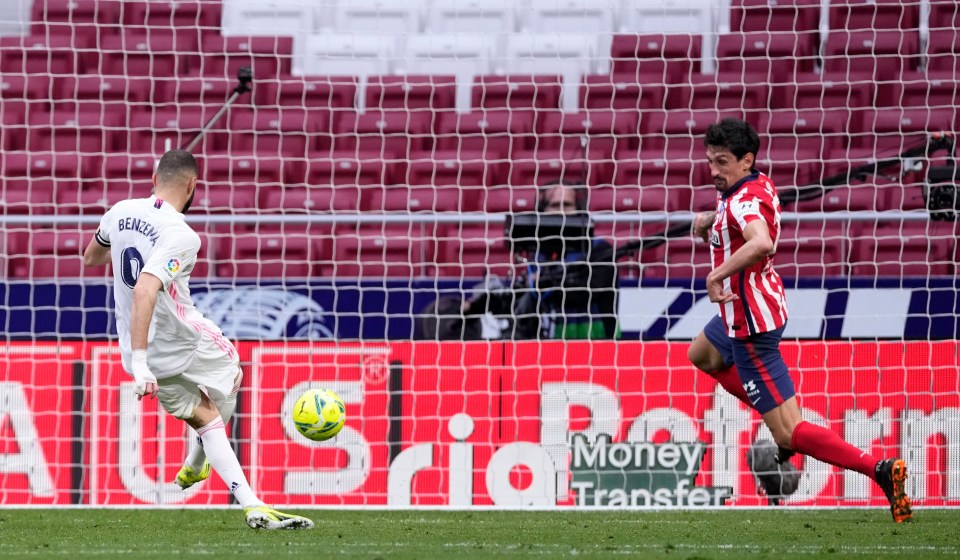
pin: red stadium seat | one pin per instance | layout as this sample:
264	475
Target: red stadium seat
94	200
473	251
679	258
341	198
56	55
392	134
272	253
944	14
133	168
510	199
199	92
875	14
898	249
466	171
943	50
608	132
92	91
416	199
24	196
412	92
934	89
762	15
629	199
890	131
763	57
47	164
288	131
680	133
225	199
884	55
497	134
704	93
813	91
224	170
349	168
537	168
269	58
658	173
52	253
811	250
517	92
600	91
308	92
150	130
134	53
402	251
804	131
657	59
192	13
85	17
847	198
71	130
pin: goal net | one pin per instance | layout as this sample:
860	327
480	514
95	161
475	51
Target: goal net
393	212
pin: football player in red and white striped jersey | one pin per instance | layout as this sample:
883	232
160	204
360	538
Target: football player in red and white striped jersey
741	346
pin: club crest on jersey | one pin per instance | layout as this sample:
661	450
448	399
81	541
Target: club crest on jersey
173	265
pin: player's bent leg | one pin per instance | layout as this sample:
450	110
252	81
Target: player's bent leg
891	475
264	517
712	353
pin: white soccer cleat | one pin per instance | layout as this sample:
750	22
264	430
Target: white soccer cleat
264	517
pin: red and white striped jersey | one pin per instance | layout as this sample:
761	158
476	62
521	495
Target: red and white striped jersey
760	305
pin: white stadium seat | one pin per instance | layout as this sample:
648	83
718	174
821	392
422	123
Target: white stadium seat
697	17
383	16
272	18
569	55
472	16
463	55
574	16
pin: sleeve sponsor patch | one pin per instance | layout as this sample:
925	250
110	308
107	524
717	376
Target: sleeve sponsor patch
748	208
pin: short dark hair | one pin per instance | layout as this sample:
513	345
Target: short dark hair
175	163
734	135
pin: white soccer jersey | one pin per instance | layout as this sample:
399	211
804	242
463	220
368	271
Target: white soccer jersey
149	235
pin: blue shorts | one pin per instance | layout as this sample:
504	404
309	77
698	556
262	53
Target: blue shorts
759	364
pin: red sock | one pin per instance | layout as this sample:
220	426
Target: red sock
730	380
827	446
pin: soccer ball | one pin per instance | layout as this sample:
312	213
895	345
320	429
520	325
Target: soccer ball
319	414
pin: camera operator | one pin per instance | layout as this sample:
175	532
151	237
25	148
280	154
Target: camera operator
566	296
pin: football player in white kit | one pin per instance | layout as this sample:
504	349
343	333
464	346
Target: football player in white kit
172	351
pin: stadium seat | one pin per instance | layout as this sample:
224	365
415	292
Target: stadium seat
517	92
94	200
856	197
137	53
254	19
340	198
659	172
679	134
269	58
467	172
541	166
691	16
656	59
811	250
462	55
375	251
272	253
233	198
943	50
606	131
56	55
346	54
68	130
628	199
225	170
813	91
84	17
804	130
569	16
204	14
349	168
15	133
207	93
944	14
763	57
704	93
899	249
308	92
47	164
419	199
52	253
474	251
117	94
489	17
393	134
762	15
892	130
23	196
411	92
132	168
496	134
567	55
883	54
149	130
874	14
510	199
679	258
380	16
289	131
599	91
935	89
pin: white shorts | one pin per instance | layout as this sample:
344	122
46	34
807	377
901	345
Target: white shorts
214	370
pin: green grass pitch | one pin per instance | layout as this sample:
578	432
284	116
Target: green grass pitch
428	534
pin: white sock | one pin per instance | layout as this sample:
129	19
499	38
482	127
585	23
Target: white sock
195	456
224	461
